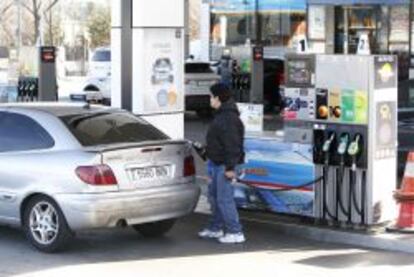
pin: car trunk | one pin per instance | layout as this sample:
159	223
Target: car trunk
145	165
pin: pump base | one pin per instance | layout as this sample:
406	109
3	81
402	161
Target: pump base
396	229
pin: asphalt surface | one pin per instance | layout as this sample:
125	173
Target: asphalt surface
181	253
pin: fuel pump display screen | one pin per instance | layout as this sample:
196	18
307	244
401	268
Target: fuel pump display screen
300	72
48	54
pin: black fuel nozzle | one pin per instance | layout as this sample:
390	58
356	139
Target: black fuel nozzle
327	146
200	150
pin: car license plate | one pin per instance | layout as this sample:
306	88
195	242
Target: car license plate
151	173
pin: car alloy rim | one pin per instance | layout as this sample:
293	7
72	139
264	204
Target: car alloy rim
44	223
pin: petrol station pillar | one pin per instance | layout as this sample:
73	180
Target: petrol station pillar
147	42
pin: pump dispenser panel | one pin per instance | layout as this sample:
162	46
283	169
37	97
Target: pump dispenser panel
350	101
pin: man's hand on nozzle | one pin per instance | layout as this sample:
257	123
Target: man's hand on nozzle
200	149
230	174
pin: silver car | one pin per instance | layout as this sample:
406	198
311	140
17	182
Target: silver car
66	168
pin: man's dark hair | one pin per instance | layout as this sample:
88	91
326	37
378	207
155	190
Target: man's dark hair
222	92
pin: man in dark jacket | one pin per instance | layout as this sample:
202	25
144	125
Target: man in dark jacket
225	152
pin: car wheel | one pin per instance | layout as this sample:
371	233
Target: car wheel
154	229
45	225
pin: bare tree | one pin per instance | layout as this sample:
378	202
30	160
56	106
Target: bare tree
6	32
37	10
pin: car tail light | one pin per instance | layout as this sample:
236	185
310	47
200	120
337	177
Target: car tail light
189	167
99	175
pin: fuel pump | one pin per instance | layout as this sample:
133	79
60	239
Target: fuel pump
27	89
354	127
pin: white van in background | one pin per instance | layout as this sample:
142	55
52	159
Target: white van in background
97	87
100	63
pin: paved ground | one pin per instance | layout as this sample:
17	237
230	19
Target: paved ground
267	253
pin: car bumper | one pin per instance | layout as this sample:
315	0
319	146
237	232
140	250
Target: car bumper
90	211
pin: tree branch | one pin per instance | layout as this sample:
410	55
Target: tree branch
28	8
6	8
51	5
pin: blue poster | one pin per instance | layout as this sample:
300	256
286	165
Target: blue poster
277	177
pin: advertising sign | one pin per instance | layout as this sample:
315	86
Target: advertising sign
164	68
386	125
399	24
316	16
385	72
252	117
277	177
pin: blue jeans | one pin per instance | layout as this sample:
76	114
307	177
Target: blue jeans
224	214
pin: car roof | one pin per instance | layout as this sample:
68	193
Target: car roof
58	109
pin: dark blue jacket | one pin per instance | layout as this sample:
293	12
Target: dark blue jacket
225	137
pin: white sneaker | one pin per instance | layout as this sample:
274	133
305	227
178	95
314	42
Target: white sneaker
208	234
232	238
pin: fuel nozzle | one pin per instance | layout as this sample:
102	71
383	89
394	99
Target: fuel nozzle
355	149
200	150
343	144
328	143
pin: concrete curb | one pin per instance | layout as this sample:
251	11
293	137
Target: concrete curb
383	241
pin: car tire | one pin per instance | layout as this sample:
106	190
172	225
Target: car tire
154	229
45	225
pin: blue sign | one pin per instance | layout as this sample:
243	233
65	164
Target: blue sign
263	5
277	177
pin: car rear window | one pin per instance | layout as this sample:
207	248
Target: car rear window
198	68
93	129
102	56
